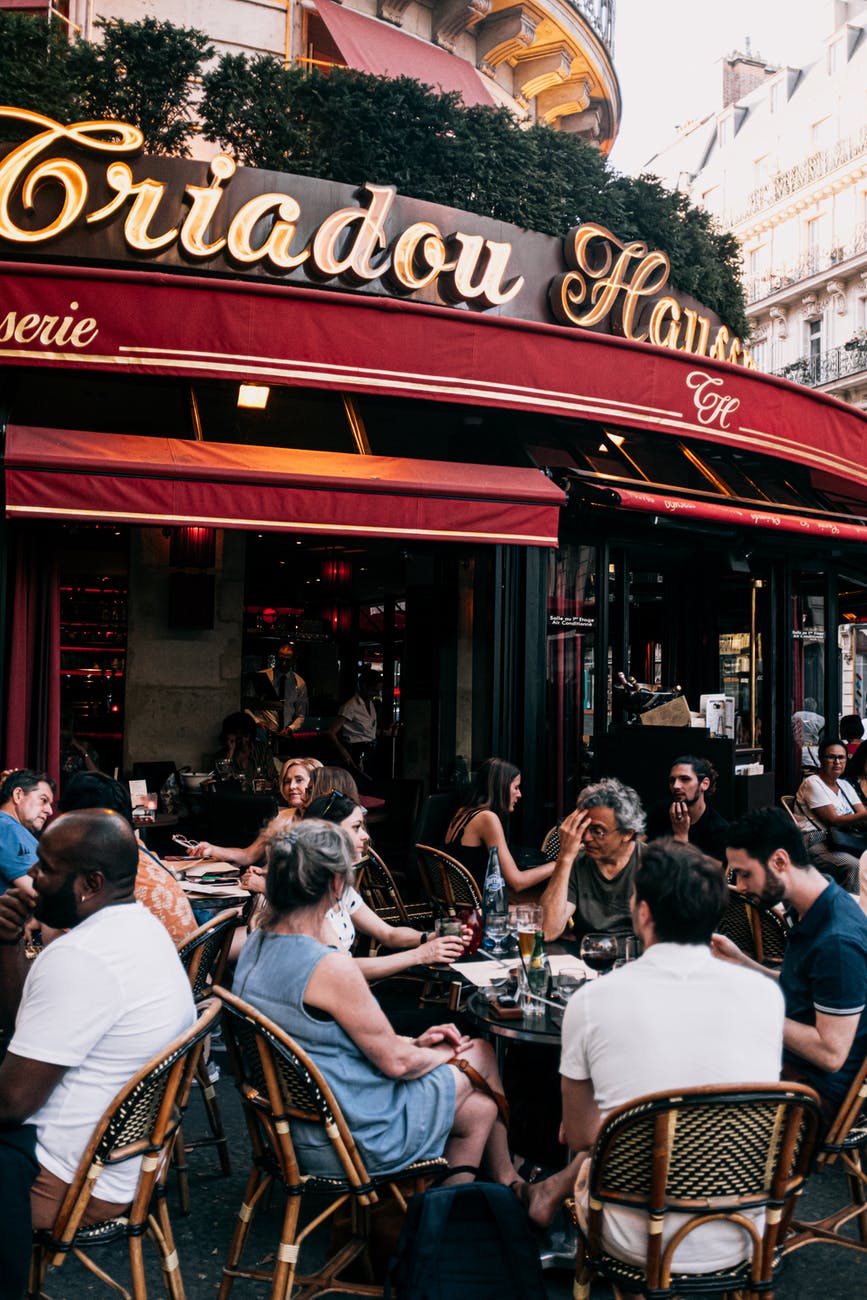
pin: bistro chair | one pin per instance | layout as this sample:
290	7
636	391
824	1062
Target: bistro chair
279	1082
378	888
758	931
204	955
446	882
705	1155
143	1120
845	1140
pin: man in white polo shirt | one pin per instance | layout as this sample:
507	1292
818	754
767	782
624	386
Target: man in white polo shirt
93	1008
673	1019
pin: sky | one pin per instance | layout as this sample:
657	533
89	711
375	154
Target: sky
667	57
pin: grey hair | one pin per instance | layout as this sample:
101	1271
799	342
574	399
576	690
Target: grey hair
302	863
621	799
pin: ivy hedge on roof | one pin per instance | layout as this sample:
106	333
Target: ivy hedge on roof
348	126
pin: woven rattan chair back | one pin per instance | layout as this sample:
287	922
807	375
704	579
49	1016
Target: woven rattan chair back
142	1120
756	930
379	890
205	953
446	881
705	1151
279	1083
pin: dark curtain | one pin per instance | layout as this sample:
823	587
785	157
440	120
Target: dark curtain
33	663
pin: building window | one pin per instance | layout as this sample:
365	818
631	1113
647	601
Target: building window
836	57
820	133
814	349
725	131
777	95
761	169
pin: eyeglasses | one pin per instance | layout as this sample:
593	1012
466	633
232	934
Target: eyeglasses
597	831
833	758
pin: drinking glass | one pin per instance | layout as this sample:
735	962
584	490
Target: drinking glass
599	951
472	917
497	929
534	985
529	920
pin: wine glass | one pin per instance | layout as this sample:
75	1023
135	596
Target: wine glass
497	929
599	951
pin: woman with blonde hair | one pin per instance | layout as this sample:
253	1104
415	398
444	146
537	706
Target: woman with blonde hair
295	778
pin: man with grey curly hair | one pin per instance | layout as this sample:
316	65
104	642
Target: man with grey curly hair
599	854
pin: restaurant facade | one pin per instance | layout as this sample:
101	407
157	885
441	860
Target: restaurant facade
241	407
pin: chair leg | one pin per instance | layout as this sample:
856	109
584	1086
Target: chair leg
36	1277
179	1161
160	1231
257	1185
287	1252
215	1120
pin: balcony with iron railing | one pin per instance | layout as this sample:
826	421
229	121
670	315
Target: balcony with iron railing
599	17
783	184
766	283
827	367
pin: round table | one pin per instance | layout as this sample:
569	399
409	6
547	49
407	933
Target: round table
545	1032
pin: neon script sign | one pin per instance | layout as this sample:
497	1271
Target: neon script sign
608	285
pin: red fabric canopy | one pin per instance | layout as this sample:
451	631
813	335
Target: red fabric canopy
70	474
378	48
721	513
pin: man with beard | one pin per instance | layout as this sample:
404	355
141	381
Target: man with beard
689	817
824	971
93	1008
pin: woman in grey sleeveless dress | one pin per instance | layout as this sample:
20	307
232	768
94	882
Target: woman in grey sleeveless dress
404	1099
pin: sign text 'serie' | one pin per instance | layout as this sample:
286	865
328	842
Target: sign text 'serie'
608	286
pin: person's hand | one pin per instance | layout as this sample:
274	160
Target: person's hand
254	880
444	1036
572	829
16	909
201	850
723	947
443	948
678	815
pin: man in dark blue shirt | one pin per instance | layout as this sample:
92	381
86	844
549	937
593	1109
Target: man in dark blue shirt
824	972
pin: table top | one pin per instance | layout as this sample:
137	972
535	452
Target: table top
542	1031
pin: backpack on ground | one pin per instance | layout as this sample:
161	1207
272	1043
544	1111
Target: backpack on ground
471	1242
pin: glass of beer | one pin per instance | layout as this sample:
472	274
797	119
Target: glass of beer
529	921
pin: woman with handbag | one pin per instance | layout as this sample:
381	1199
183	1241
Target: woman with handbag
833	821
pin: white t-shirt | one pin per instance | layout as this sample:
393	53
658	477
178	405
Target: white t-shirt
100	1000
814	793
340	917
676	1018
360	722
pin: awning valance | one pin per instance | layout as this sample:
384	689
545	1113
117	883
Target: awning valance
671	506
376	47
72	474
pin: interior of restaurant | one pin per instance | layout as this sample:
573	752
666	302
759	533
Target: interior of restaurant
161	629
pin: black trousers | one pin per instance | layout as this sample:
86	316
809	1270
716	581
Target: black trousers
18	1170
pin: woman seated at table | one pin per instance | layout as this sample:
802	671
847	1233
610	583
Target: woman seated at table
326	779
404	1100
294	787
827	800
352	913
479	825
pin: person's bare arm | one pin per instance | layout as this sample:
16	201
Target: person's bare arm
24	1086
338	986
726	950
16	909
582	1119
334	733
556	908
826	1044
829	815
247	857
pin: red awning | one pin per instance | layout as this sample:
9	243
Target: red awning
372	46
671	506
69	474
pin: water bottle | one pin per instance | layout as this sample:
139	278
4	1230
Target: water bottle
496	903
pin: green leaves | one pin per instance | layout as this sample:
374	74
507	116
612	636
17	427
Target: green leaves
351	127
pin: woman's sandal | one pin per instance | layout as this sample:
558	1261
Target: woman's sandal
481	1084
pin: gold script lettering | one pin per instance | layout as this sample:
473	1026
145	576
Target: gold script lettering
663	308
147	196
353	263
421	244
276	246
460	285
205	201
45	329
62	171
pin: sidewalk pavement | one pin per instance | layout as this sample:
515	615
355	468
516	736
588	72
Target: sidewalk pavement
815	1273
